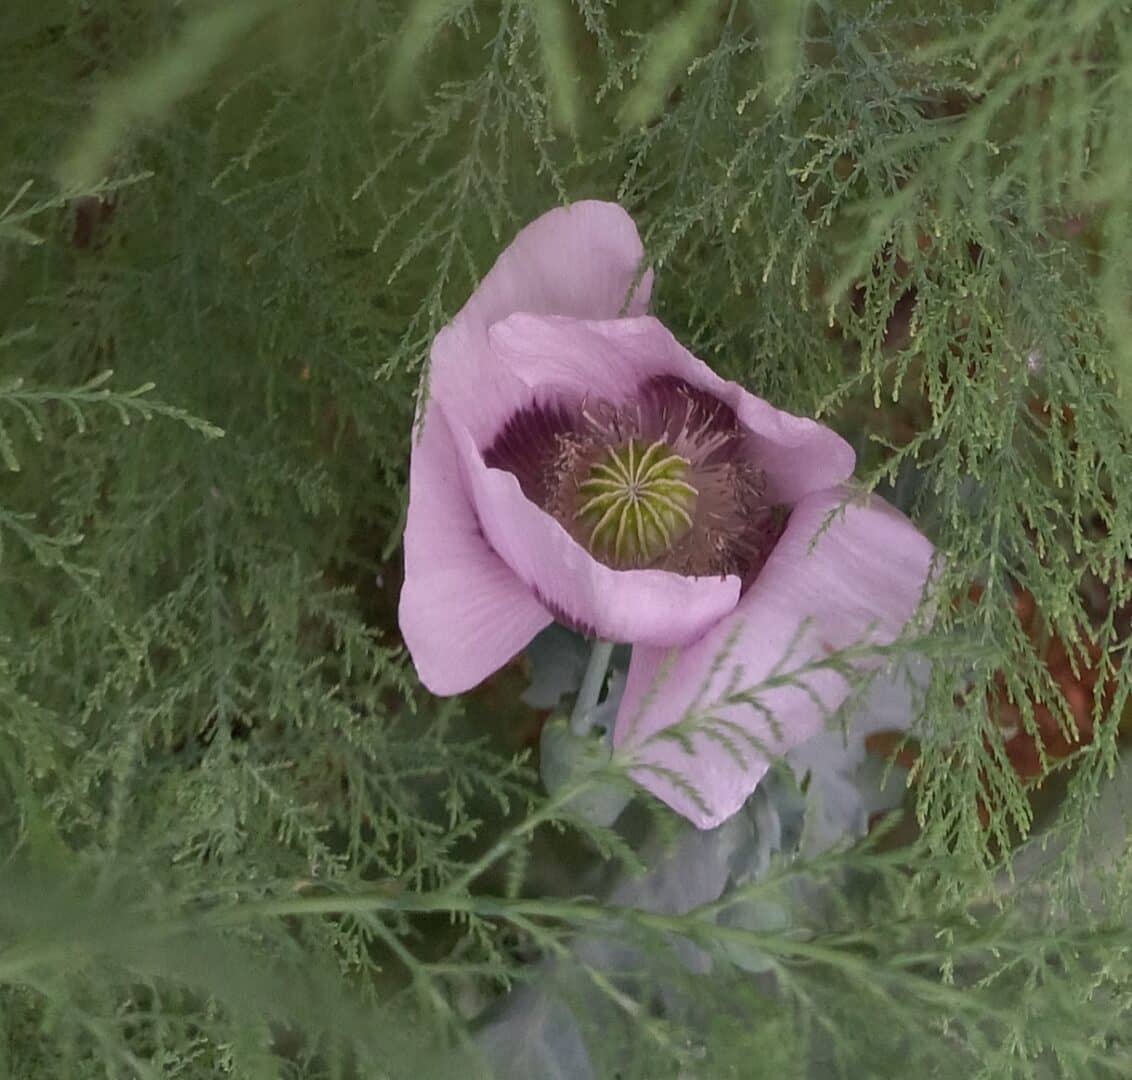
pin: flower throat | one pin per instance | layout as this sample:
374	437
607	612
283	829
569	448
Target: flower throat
667	480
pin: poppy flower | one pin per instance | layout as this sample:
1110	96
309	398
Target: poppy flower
576	464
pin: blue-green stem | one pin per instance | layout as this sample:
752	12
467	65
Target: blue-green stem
581	719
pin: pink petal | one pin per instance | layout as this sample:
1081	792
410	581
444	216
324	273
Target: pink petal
656	607
578	358
859	584
611	358
463	612
578	260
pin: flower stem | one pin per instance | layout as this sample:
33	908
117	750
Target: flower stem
581	719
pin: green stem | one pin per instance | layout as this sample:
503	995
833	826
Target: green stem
581	719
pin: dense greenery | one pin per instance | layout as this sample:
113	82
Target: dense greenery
236	838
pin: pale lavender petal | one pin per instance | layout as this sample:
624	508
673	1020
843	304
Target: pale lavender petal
467	381
859	583
578	358
657	607
579	261
610	359
463	612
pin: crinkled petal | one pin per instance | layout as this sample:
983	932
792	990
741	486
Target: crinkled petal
610	359
857	584
656	607
579	261
463	612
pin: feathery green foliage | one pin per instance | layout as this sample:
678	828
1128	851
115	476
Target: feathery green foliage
236	838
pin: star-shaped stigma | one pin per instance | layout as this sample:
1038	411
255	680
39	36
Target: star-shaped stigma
636	502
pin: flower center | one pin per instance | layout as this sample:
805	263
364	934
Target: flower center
667	479
636	502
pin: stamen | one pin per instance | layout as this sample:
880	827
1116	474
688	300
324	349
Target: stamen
668	479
